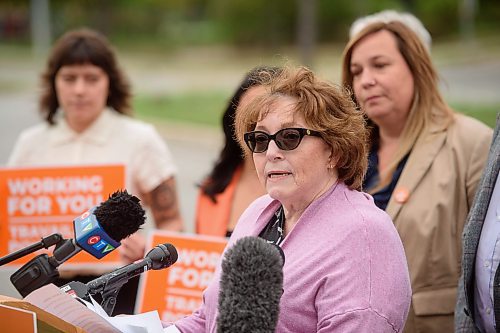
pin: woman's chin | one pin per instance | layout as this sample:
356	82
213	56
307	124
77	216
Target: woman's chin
277	193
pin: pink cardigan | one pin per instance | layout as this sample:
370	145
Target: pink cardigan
345	268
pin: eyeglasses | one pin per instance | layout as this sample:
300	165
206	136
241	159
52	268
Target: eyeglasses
286	139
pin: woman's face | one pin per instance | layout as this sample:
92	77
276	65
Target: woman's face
382	81
294	177
82	92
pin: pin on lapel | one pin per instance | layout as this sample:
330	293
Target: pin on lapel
401	195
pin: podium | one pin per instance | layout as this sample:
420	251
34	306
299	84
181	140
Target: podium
20	316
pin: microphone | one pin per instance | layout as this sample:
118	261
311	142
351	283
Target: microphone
161	256
97	231
251	286
108	285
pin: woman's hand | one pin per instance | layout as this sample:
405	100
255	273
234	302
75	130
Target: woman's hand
132	248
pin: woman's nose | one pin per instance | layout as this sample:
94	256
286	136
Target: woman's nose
79	86
273	152
367	79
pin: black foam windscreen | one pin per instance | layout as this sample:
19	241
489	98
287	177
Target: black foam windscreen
121	215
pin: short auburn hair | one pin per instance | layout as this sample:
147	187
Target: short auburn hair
326	108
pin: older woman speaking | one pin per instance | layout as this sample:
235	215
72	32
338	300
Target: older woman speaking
345	268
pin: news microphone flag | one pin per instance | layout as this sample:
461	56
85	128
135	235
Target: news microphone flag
119	216
91	237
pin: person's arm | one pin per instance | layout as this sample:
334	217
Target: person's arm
357	321
463	323
196	322
367	286
153	173
165	207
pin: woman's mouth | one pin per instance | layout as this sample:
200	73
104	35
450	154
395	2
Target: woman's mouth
278	174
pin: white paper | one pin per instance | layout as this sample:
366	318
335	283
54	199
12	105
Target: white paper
92	317
171	329
148	322
55	301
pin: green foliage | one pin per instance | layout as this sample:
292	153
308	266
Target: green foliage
375	6
205	108
256	22
239	22
334	20
441	18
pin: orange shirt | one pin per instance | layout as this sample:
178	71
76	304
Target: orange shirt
213	218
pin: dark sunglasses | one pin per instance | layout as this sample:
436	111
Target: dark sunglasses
286	139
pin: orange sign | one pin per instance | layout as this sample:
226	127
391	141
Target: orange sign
38	202
177	291
17	320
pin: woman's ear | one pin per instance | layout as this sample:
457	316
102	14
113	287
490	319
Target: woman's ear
333	159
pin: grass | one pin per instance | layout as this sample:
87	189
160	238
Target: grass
206	108
202	108
486	113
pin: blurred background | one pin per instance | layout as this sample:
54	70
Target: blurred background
184	58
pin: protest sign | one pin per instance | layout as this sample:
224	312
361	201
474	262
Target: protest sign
177	291
38	202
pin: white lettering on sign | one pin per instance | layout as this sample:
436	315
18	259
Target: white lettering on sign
189	277
33	231
24	235
55	185
198	259
76	204
29	205
42	205
180	303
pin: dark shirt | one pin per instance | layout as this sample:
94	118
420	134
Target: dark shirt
372	178
273	232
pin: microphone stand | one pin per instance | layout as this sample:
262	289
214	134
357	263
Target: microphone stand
109	299
109	292
42	269
46	242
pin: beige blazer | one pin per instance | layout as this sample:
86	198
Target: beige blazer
429	206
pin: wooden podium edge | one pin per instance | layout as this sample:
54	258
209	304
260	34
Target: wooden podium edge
47	320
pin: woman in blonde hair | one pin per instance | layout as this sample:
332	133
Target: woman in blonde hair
425	160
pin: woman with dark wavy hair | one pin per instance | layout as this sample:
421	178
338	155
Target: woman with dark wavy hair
232	184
